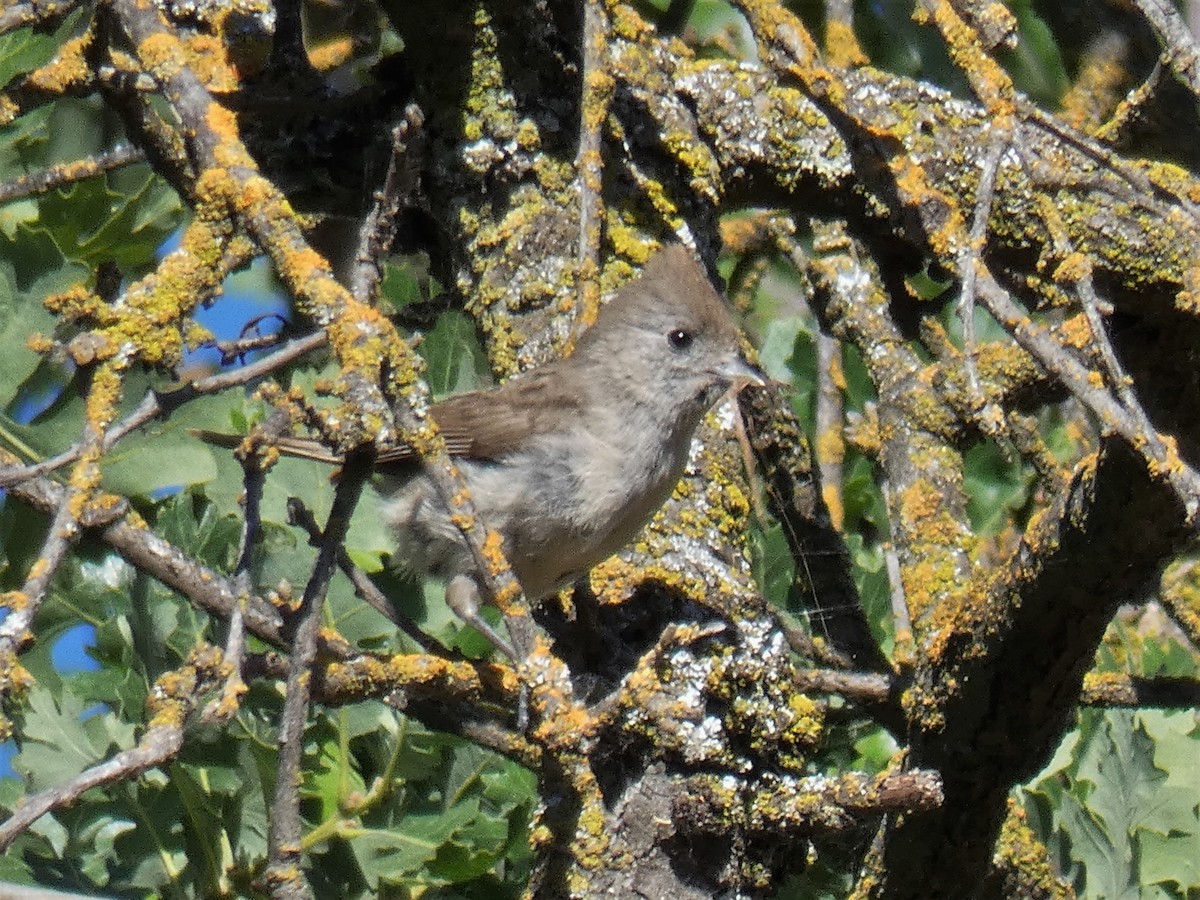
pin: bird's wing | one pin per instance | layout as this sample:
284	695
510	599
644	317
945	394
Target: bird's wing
487	425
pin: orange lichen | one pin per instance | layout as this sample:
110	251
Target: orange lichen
493	547
1170	463
1074	267
38	569
988	80
920	501
9	110
208	59
841	45
223	124
328	54
1076	332
1025	859
929	579
563	730
161	55
371	676
916	192
69	67
14	601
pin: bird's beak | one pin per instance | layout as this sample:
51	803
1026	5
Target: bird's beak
740	373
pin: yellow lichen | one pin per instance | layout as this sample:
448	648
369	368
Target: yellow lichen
1076	332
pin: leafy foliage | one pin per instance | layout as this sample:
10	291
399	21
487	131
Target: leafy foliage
1119	803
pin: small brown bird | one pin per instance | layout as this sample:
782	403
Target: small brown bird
568	461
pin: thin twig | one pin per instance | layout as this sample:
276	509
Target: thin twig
1132	424
829	444
158	744
829	804
34	12
283	875
595	96
1130	110
628	692
829	447
969	263
254	480
12	891
841	46
46	180
207	589
166	401
901	617
1180	51
378	230
65	527
16	628
870	687
302	516
1119	691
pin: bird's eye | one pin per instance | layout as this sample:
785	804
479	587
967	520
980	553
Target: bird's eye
680	338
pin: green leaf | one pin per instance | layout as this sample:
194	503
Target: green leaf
862	497
996	487
1171	859
472	852
925	286
1169	839
208	842
26	49
778	342
397	854
400	286
21	533
330	774
93	223
509	787
1120	800
804	378
717	23
1036	63
154	854
162	458
774	568
31	268
22	146
874	588
101	836
1119	784
52	831
876	750
407	280
421	754
456	361
1105	862
367	718
896	43
198	527
55	747
108	734
14	869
